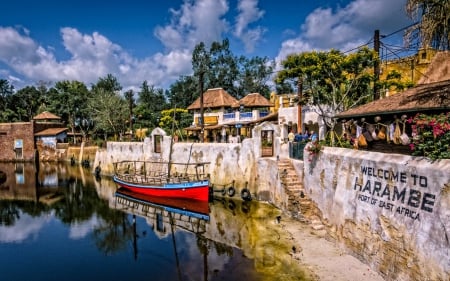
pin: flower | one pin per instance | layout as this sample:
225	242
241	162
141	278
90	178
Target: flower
431	136
313	149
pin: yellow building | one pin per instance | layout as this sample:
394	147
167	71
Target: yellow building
411	68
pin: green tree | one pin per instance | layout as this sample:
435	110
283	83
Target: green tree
433	25
6	92
173	124
223	67
129	97
219	68
254	73
108	83
150	102
332	82
26	103
184	91
110	112
69	100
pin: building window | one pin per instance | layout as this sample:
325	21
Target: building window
18	146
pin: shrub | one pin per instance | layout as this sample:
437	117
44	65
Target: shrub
431	135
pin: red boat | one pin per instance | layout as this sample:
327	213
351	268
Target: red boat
163	179
193	208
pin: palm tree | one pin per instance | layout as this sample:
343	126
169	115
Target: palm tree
433	26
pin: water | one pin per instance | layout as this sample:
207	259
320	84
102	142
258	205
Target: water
60	223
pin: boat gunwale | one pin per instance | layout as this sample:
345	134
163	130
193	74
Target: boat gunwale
132	173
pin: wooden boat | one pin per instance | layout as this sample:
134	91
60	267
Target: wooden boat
188	207
164	179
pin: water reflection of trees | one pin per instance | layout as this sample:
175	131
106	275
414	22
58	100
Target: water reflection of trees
113	234
10	210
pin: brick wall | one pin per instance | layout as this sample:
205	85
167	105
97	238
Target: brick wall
9	133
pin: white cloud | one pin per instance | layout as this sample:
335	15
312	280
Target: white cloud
16	47
91	56
347	27
248	12
23	229
195	22
79	230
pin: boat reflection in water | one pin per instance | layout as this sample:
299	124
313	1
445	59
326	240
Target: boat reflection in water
185	214
147	205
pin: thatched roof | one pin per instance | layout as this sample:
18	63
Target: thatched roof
433	96
255	100
438	70
46	116
215	98
431	93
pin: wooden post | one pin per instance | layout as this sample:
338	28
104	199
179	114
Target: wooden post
299	105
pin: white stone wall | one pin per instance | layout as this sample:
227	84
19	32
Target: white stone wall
238	164
392	210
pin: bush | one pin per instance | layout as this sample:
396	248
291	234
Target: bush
431	135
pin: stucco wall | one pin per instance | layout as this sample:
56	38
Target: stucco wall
392	211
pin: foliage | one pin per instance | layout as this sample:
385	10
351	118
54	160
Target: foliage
218	67
110	112
69	100
393	82
6	91
171	123
150	102
431	135
184	91
313	148
253	76
332	81
108	83
433	23
333	139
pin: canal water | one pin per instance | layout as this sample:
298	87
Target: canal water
59	222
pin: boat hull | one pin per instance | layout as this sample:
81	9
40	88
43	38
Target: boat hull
192	208
193	190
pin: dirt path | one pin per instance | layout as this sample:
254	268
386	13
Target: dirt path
323	257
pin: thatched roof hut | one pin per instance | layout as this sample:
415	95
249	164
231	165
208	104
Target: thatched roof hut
254	100
215	98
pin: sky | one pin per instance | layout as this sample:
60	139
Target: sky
139	40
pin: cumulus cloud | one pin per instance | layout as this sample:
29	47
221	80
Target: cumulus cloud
346	27
91	56
195	22
248	12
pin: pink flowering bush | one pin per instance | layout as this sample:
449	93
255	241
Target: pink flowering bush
431	135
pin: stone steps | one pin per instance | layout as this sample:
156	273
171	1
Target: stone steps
300	206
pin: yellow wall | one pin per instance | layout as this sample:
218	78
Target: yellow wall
411	68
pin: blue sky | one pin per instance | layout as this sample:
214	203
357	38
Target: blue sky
137	40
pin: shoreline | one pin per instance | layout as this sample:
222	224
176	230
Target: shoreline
323	258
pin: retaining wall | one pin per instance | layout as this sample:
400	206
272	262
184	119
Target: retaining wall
392	211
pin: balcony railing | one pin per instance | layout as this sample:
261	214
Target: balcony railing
229	116
238	116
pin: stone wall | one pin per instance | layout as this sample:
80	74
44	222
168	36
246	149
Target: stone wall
237	164
392	211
